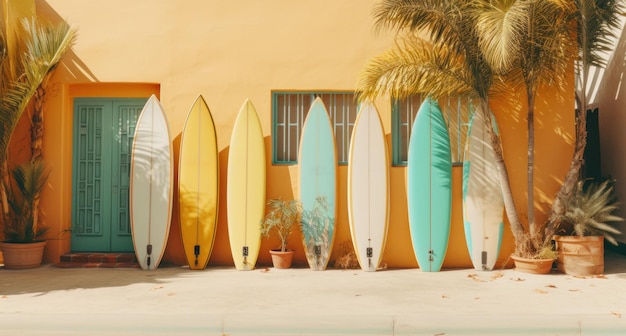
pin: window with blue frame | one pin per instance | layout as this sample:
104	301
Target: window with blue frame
289	110
456	112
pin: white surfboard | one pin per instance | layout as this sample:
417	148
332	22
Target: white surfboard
483	204
368	188
151	185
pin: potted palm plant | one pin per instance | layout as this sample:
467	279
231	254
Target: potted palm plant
24	244
282	218
28	60
584	226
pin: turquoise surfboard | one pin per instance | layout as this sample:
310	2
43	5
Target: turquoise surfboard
429	186
318	185
483	205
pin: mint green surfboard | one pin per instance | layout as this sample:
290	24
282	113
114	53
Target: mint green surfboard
429	186
318	185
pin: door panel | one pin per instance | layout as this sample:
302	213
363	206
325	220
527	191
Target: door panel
103	134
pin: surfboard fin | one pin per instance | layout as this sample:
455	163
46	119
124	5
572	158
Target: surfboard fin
149	252
196	252
483	259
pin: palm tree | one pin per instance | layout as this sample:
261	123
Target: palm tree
450	63
472	44
596	22
531	44
47	44
29	52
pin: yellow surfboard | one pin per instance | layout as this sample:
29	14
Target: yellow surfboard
246	187
198	184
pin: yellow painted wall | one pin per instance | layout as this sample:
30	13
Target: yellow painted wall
231	50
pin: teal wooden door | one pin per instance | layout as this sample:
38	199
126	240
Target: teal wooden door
103	138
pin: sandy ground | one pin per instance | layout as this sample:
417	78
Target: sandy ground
266	301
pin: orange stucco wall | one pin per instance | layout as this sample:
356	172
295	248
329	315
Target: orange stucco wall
228	51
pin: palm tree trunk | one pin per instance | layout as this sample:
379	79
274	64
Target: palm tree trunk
573	174
531	163
4	176
507	194
36	128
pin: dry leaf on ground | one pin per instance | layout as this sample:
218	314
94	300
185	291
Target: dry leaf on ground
474	277
497	275
541	291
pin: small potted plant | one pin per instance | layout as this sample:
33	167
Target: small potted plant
282	218
585	226
534	254
24	243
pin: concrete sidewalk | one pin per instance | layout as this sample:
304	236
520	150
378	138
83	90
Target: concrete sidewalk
223	301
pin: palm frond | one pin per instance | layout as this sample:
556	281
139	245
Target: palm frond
29	180
12	103
46	45
415	15
414	67
547	49
13	32
44	49
597	22
589	210
499	24
444	22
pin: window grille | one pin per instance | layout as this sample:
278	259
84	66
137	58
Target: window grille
456	112
289	110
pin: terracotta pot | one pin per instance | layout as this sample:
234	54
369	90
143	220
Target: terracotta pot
580	255
534	266
22	255
280	259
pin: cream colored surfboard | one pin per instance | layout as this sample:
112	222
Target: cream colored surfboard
246	187
151	185
368	188
483	204
198	185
